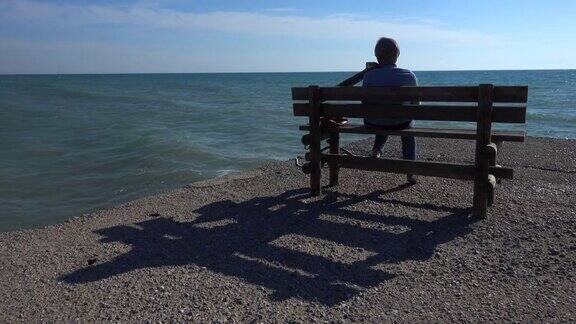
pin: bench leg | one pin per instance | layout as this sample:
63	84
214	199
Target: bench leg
315	155
480	204
315	171
482	158
334	149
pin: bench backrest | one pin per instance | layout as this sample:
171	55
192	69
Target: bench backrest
507	102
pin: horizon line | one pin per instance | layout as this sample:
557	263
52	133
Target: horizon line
271	72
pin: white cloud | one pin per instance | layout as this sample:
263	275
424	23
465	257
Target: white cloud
133	38
56	57
336	26
282	9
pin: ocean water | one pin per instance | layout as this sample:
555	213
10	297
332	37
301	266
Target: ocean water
72	144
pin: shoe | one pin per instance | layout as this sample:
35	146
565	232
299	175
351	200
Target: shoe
376	153
411	178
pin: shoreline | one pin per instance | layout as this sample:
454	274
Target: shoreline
252	246
216	178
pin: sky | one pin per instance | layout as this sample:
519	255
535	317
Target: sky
122	36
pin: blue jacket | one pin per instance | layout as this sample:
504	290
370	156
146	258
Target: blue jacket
388	75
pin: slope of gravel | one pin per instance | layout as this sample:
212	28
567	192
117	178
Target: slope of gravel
253	246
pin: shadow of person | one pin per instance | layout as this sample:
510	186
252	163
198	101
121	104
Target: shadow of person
237	239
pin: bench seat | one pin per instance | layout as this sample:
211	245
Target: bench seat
470	134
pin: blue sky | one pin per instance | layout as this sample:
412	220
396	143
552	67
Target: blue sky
123	36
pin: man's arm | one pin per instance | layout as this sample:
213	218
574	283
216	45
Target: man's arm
351	81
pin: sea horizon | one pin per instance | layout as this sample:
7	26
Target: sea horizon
272	72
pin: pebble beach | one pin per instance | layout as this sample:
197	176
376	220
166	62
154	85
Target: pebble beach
255	247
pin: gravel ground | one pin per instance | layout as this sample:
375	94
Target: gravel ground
254	247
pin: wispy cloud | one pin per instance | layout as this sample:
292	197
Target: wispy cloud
283	10
280	23
57	37
102	57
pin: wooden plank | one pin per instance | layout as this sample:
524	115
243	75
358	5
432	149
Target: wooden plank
334	142
501	172
424	168
508	114
315	133
517	94
448	94
511	115
469	134
483	128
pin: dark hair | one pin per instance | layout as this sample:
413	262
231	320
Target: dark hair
386	51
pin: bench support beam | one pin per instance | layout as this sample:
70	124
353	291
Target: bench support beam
467	134
483	138
423	168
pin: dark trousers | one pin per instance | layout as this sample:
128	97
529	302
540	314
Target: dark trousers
408	142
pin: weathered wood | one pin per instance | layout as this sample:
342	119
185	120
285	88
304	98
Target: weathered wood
517	94
491	153
469	134
509	114
501	172
314	122
334	142
512	94
483	128
491	188
423	168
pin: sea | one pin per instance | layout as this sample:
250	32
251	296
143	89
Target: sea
74	144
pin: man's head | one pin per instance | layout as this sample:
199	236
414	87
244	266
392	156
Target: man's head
386	51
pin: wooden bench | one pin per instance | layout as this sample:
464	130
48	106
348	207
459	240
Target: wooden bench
484	104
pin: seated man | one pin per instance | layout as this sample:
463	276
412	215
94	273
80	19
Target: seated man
387	74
